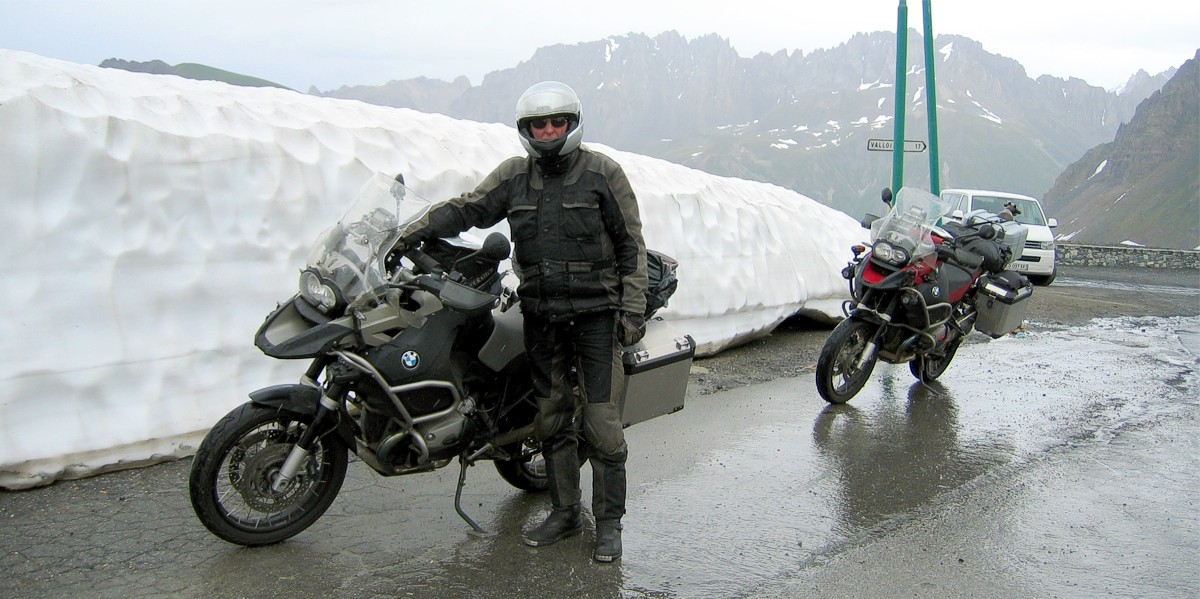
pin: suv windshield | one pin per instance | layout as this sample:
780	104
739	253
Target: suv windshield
1031	212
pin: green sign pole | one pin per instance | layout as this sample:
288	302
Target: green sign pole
901	100
935	184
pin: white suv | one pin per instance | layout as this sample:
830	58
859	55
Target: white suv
1038	259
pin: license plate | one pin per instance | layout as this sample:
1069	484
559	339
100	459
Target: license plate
1019	266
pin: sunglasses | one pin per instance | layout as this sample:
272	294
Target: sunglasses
556	122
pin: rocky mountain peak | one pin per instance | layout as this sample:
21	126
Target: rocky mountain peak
1142	187
803	121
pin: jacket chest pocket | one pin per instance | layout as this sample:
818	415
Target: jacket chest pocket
581	219
523	221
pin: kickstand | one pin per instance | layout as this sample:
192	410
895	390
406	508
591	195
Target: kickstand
476	529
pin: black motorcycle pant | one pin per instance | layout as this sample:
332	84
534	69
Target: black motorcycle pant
578	381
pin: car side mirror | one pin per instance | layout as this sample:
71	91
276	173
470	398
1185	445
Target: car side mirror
1053	222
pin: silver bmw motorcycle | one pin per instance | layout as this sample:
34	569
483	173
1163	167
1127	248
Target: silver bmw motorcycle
416	358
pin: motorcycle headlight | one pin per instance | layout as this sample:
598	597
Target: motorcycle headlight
890	254
317	291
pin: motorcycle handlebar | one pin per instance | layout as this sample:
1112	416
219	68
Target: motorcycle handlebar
969	259
422	260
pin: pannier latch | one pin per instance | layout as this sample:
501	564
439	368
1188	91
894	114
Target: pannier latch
507	298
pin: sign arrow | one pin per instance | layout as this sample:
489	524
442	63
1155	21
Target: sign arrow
885	145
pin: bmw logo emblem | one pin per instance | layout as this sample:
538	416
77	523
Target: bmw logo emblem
410	359
937	291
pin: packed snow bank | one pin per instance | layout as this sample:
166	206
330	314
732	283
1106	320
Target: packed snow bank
153	221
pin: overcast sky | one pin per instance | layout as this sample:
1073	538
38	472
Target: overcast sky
330	43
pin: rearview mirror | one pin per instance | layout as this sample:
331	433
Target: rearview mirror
495	247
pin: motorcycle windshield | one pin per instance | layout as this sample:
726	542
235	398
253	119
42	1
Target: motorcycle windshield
907	226
350	255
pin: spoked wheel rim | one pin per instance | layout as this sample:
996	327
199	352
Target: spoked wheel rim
243	488
839	375
846	371
527	473
235	467
534	467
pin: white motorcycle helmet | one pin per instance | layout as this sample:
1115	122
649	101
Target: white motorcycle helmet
547	99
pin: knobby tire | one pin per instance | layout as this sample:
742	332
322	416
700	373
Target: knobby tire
230	478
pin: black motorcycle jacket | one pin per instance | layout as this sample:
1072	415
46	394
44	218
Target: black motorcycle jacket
577	236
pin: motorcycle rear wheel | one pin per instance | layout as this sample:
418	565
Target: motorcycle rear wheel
231	475
526	474
838	376
934	365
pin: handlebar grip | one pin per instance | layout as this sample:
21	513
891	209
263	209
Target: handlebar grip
423	260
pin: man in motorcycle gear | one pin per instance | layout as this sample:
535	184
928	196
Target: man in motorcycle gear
579	253
556	103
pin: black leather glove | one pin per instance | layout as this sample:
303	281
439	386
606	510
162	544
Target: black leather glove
630	328
405	244
401	247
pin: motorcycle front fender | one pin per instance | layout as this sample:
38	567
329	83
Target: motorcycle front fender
876	307
866	315
299	400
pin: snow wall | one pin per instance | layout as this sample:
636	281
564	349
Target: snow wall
154	221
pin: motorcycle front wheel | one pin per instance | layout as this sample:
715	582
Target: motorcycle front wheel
232	472
838	375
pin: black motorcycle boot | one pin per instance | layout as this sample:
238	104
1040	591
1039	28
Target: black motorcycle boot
562	468
608	541
560	524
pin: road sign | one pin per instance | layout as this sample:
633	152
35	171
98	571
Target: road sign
885	145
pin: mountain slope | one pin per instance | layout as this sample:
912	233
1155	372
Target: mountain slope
1144	186
798	121
803	121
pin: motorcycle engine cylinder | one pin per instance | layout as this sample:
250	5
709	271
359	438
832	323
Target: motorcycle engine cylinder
443	434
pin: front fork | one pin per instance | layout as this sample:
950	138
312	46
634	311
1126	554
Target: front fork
881	317
867	353
301	451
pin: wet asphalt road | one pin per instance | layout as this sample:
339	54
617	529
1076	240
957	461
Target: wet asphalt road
1061	462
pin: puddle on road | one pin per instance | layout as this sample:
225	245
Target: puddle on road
783	480
752	486
741	489
748	487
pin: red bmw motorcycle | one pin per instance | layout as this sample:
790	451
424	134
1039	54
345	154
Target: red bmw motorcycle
919	289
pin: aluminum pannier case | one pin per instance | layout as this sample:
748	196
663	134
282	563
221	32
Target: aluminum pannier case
1002	303
656	372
